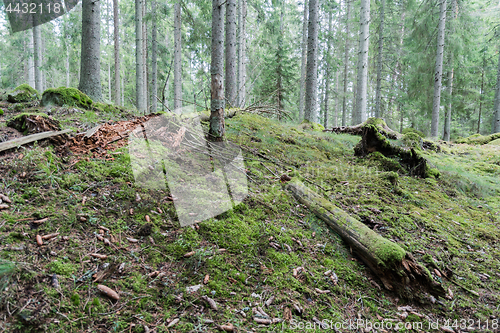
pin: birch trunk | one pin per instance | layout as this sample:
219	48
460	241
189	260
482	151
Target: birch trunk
177	58
362	82
230	80
139	77
378	96
439	70
154	61
90	72
346	64
310	112
304	62
116	29
217	125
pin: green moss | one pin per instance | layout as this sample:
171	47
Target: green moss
307	125
1	112
60	268
386	163
390	176
413	131
23	93
412	139
66	96
478	139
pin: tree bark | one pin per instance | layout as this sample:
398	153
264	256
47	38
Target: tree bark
310	112
346	64
378	96
177	58
37	45
439	70
496	117
397	269
303	65
328	69
139	75
362	81
216	132
230	80
90	72
481	94
116	27
154	60
31	68
145	55
448	110
242	73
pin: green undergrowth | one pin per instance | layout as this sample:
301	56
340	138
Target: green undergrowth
452	220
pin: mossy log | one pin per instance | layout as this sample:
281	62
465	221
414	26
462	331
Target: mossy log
478	139
358	129
32	123
66	96
397	269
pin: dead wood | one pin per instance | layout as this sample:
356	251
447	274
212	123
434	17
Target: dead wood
358	129
34	123
396	268
31	138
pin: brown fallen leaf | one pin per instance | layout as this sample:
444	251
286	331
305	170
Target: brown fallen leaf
148	219
108	292
228	327
205	280
438	273
5	198
99	256
39	240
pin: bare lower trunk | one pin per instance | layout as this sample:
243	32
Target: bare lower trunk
90	73
242	76
496	116
145	55
217	125
328	69
447	117
154	74
230	80
31	66
362	81
37	45
346	64
378	96
310	112
302	93
438	70
139	75
116	22
177	58
481	93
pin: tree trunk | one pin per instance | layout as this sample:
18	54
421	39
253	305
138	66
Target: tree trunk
328	68
310	112
217	125
154	61
439	70
378	96
116	22
242	74
177	58
447	117
336	111
37	45
31	68
481	93
396	268
230	80
145	55
362	81
346	64
496	116
90	72
139	75
303	65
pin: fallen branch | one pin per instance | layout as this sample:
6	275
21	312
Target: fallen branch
30	138
396	268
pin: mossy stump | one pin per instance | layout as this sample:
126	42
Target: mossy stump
378	123
23	93
63	96
397	269
32	123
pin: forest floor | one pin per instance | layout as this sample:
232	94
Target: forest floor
245	259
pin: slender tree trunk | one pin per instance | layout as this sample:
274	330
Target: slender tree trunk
177	57
362	85
145	55
303	65
336	111
378	96
31	66
90	72
139	74
481	93
37	44
230	80
447	117
116	22
328	68
439	70
216	132
242	75
310	112
154	62
496	116
346	63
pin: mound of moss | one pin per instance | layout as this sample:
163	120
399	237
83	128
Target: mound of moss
413	131
23	93
307	125
478	139
1	112
66	96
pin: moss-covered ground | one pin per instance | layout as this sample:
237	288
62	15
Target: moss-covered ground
451	224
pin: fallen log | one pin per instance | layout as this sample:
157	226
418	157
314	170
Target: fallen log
358	129
397	269
30	138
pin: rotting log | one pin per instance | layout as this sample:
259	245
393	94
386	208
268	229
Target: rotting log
30	138
397	269
358	129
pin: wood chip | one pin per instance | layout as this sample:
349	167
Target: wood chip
173	322
137	197
438	273
104	228
4	206
270	301
55	281
108	292
41	221
221	250
189	254
206	279
262	321
5	198
211	302
322	291
39	240
99	256
148	219
132	240
131	211
228	327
